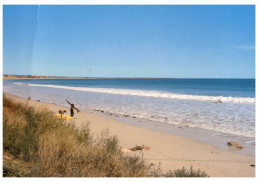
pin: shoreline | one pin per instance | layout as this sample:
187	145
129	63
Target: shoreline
172	151
209	137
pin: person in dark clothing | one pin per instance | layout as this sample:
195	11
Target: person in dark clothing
71	110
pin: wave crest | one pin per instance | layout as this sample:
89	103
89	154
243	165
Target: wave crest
157	94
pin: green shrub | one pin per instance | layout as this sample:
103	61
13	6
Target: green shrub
183	172
11	169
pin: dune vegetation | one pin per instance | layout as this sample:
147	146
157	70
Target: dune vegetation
36	144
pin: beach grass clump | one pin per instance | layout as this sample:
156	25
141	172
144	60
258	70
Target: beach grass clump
13	167
54	148
183	172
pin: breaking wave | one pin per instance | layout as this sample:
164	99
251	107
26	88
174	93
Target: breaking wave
150	93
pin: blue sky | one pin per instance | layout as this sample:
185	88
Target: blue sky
174	41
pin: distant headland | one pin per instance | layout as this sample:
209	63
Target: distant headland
12	76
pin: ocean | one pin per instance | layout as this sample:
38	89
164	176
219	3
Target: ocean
192	103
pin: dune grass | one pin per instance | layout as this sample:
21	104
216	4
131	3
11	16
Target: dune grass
48	147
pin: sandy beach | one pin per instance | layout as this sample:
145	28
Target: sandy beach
171	151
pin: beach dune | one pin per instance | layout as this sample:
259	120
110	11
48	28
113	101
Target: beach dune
171	152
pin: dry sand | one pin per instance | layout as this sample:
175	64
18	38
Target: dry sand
171	151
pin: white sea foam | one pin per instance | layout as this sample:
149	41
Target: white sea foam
18	83
158	94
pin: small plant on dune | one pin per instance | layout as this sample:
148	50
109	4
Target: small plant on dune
15	168
12	170
84	134
183	172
